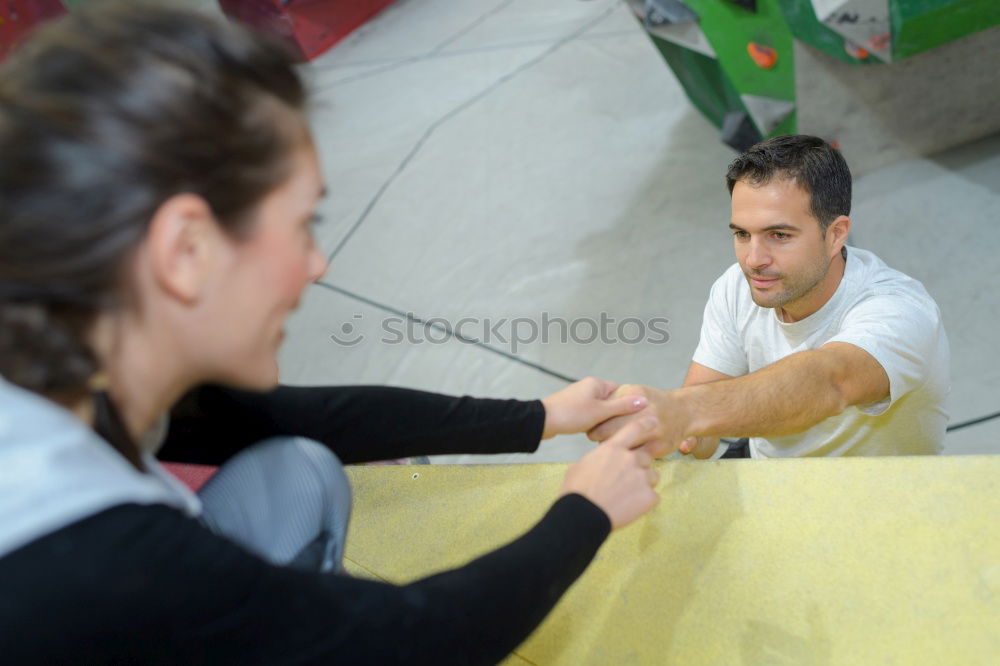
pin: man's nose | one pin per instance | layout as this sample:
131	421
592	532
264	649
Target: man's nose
757	256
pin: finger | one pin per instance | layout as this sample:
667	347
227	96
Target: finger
606	389
688	445
653	477
635	433
643	458
619	391
607	429
629	404
657	448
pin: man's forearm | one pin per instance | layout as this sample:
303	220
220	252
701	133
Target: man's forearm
784	398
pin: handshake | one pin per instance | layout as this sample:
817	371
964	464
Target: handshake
634	425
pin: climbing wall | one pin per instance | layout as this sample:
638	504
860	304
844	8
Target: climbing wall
310	27
737	58
734	60
809	561
19	17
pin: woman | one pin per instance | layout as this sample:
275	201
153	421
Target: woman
157	186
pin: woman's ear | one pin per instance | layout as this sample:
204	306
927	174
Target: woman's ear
184	246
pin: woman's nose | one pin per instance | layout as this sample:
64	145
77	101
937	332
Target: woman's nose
317	264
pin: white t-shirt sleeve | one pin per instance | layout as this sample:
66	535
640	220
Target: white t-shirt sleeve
901	332
721	347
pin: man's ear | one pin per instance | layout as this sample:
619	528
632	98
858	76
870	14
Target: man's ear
836	234
184	244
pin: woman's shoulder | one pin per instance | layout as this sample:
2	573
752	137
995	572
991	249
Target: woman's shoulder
54	471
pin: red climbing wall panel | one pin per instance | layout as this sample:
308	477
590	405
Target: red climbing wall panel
311	26
18	17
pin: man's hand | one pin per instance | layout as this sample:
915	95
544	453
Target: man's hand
583	404
671	416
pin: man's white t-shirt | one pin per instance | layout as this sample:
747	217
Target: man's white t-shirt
888	314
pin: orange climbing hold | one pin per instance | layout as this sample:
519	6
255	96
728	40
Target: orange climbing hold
764	56
856	51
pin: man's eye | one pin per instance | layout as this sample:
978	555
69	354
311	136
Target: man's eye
741	234
781	235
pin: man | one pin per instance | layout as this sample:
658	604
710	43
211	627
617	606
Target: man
808	347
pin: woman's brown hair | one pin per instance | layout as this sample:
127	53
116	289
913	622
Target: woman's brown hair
104	115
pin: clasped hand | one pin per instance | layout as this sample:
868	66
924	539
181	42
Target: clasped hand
634	425
673	423
602	409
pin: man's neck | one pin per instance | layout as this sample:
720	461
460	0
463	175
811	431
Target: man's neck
818	296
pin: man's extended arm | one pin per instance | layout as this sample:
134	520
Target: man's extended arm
702	447
786	397
699	374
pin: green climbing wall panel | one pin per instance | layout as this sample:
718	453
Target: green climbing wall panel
732	59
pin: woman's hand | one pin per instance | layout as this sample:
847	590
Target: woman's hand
584	404
618	476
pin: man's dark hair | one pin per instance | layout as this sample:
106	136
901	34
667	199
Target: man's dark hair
811	162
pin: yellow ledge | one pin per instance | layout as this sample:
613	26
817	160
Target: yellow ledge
828	561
